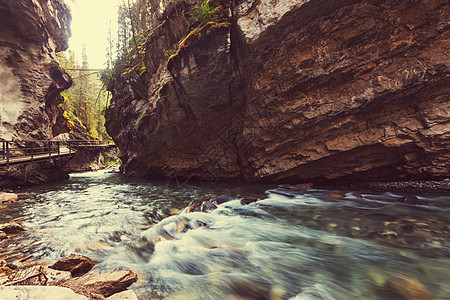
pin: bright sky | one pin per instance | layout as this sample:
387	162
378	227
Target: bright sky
90	22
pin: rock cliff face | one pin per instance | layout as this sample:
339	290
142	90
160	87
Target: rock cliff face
296	91
30	78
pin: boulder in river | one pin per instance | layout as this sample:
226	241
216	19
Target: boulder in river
12	227
105	284
38	292
76	264
207	206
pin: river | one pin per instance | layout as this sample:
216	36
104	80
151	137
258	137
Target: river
289	244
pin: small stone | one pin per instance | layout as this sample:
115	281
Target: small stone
410	288
3	235
8	197
75	264
12	227
5	270
332	225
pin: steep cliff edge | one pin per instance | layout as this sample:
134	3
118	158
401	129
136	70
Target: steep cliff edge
30	78
297	91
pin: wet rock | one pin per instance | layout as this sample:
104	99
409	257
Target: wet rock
207	206
200	224
8	197
105	284
125	295
221	199
34	275
12	227
303	186
4	269
75	264
38	292
410	200
12	266
247	201
409	287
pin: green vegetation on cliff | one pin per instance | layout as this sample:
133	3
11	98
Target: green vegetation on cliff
84	103
136	30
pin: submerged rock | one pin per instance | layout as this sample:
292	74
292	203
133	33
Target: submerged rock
75	264
410	288
12	227
410	200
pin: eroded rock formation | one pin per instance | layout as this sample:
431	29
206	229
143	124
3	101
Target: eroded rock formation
300	91
31	80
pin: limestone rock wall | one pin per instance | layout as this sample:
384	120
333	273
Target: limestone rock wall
30	79
295	91
31	31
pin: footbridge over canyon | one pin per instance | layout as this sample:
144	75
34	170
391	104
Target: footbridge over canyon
29	151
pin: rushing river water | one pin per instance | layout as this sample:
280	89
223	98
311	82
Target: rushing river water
290	244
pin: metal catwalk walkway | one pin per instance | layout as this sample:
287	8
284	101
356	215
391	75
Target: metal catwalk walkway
24	152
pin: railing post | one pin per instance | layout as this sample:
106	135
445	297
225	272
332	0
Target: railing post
50	150
58	148
7	155
32	143
4	149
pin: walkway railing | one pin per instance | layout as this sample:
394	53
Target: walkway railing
19	152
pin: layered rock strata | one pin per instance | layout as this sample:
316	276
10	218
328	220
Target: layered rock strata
297	91
31	80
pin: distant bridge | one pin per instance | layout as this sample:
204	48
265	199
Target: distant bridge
28	151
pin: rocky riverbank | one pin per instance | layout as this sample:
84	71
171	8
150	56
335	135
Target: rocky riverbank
68	278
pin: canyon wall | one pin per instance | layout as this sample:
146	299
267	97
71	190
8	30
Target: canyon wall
289	91
32	31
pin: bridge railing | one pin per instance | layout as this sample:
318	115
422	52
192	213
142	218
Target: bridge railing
38	149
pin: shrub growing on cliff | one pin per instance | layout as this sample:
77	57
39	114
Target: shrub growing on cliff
203	13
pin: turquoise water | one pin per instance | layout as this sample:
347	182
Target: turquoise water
289	244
